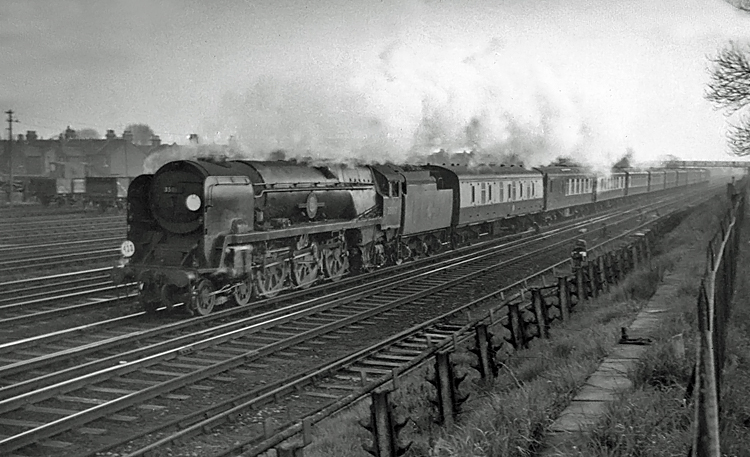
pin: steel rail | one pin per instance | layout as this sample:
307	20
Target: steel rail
67	243
459	336
44	292
211	417
80	418
334	299
67	309
407	268
64	259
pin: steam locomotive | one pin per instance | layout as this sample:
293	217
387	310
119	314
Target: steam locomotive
206	230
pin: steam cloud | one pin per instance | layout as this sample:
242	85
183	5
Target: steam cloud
418	99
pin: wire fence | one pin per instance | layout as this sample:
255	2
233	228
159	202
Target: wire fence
714	300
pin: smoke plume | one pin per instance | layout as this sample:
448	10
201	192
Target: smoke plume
414	100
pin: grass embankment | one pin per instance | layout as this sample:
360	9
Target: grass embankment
511	417
653	420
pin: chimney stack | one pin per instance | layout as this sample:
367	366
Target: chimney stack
194	139
31	136
127	135
70	134
110	135
155	141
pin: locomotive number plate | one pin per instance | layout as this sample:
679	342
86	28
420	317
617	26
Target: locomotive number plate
172	190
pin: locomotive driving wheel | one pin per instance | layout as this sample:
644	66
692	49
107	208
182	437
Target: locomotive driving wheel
335	262
203	299
270	280
243	292
305	267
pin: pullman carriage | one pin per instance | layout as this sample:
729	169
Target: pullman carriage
656	180
670	179
610	187
682	178
637	182
566	188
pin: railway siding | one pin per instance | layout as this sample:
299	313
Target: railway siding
368	312
307	335
337	387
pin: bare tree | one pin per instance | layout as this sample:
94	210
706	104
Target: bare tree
743	5
729	89
142	133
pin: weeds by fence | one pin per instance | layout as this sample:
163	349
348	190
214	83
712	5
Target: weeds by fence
714	299
517	318
528	315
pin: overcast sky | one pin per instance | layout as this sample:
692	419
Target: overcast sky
375	79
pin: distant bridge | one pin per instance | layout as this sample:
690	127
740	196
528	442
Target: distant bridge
706	164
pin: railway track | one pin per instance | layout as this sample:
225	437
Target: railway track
30	240
41	251
254	422
147	367
11	223
28	301
48	245
27	266
25	210
29	305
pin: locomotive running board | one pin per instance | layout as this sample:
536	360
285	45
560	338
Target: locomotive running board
299	230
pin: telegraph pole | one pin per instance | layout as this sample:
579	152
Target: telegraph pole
10	153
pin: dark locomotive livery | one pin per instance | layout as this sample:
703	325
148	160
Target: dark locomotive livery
207	230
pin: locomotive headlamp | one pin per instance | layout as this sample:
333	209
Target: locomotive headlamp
127	248
193	202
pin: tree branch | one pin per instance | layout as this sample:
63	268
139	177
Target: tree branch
729	87
739	137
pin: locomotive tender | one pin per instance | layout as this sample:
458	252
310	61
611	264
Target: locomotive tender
205	230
